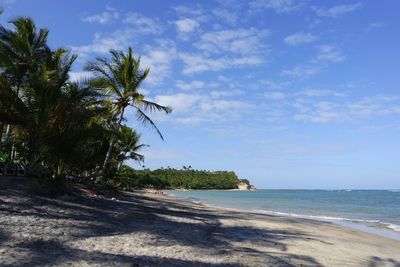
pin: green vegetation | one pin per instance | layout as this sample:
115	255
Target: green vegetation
53	128
64	127
186	178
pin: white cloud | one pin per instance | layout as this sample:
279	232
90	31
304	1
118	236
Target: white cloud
180	102
103	43
223	105
374	25
319	112
230	93
144	24
329	53
336	11
119	40
104	17
243	41
159	59
274	84
330	111
275	95
301	71
228	16
190	86
192	11
303	94
299	38
197	108
320	93
186	25
279	6
195	63
326	54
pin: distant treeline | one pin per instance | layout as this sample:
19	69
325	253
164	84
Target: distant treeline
186	178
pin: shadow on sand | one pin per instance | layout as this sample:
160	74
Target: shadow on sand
77	217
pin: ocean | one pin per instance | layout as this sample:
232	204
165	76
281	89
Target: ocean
375	211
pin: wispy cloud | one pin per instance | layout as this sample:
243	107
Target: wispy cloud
306	93
329	53
271	84
320	93
206	107
374	25
159	59
325	54
121	38
300	38
186	25
195	63
225	15
229	93
102	44
279	6
180	102
335	11
334	111
243	41
142	23
301	71
105	17
192	11
275	95
187	86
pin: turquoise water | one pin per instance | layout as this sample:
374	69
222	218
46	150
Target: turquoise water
377	209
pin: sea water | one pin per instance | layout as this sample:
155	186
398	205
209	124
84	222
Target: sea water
376	211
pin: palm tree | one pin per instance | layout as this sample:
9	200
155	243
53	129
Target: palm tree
72	125
32	83
128	146
121	77
22	49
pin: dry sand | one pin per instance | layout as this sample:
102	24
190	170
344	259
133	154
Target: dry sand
138	229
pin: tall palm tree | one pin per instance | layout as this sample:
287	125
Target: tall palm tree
33	111
121	77
128	146
22	49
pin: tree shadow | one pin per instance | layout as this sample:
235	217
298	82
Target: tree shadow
378	262
170	222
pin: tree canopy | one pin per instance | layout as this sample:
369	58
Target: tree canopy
67	127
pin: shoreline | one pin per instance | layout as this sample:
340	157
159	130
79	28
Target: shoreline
142	229
381	228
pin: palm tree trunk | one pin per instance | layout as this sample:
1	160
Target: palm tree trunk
112	141
1	133
8	132
122	162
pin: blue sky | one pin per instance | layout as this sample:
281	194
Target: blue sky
289	94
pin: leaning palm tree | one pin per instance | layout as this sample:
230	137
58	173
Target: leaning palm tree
121	77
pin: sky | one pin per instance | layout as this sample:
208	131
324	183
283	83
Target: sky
288	94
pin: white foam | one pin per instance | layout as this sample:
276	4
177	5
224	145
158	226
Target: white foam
394	227
391	226
368	223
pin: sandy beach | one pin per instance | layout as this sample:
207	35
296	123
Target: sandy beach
141	229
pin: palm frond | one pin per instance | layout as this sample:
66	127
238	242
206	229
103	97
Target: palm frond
152	106
143	118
